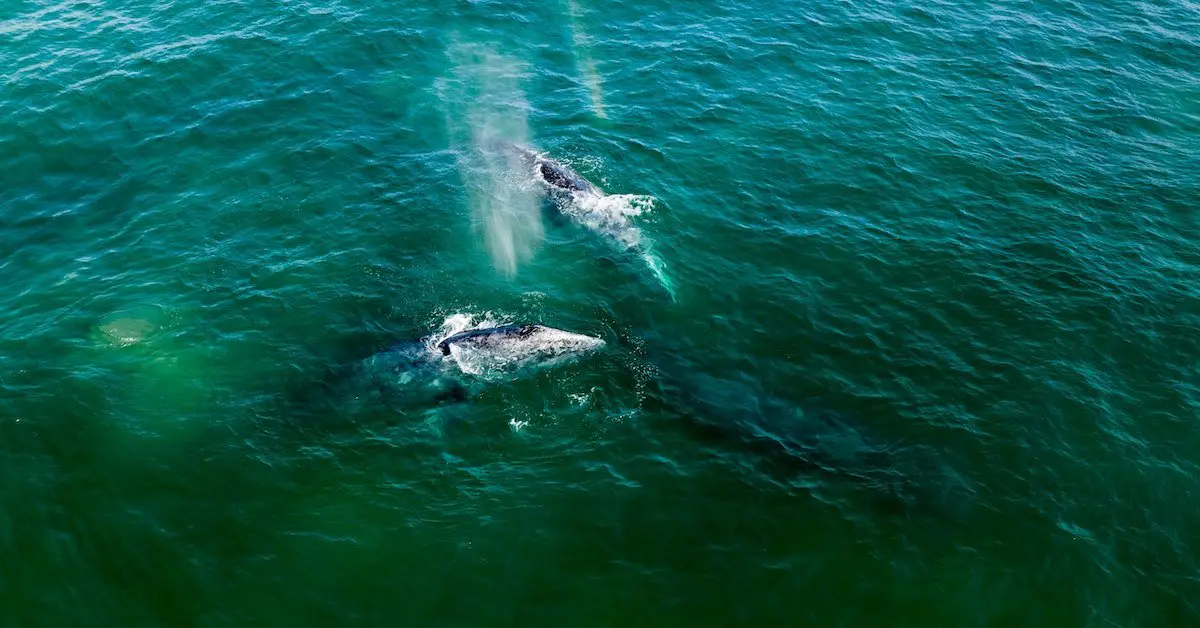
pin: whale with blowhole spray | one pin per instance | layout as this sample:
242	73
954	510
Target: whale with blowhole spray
610	216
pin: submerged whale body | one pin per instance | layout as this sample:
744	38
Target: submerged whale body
430	371
784	440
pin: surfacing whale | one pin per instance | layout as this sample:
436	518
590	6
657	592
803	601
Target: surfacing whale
453	368
608	216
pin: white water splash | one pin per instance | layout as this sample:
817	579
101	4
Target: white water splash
458	323
610	215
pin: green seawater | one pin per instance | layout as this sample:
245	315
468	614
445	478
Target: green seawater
928	356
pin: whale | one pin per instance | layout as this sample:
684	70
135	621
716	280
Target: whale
803	443
431	371
506	349
610	217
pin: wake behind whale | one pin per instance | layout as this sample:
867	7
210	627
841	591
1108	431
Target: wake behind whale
610	216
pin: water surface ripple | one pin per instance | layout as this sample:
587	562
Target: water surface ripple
931	360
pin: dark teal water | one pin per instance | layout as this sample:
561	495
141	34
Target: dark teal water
943	253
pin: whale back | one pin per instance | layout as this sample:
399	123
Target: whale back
509	348
562	177
520	331
549	171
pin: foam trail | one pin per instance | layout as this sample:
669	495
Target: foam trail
586	62
483	90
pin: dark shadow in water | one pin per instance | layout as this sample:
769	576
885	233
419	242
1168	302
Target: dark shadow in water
788	441
364	384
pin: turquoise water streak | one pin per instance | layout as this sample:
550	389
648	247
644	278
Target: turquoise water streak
944	253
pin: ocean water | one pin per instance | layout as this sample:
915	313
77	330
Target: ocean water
917	346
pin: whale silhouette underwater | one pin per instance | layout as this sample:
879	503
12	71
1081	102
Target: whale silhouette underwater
791	441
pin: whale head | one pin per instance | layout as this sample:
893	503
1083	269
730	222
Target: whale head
555	175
